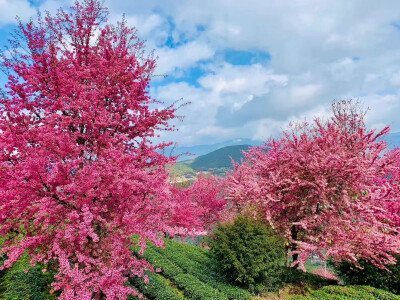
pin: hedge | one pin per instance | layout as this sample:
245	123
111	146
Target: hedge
370	275
192	286
295	276
349	293
178	255
195	289
22	281
157	288
249	253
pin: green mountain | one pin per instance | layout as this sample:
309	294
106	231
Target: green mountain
181	169
216	162
218	159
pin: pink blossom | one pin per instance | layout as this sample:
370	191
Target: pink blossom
327	189
79	176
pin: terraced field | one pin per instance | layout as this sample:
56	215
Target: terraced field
187	273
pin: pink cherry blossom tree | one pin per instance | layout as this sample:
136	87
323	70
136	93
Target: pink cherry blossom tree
327	188
78	173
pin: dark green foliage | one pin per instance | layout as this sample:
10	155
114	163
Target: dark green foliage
195	289
21	285
2	274
157	288
189	284
189	268
249	254
169	269
371	275
349	293
195	261
295	276
17	284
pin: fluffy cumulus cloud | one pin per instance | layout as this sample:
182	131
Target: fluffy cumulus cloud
9	9
250	67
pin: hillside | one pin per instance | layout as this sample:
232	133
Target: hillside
220	158
190	152
217	159
216	162
190	272
181	169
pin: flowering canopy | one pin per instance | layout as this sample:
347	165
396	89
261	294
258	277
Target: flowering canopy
326	188
78	175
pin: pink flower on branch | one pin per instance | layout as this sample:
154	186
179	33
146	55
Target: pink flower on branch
330	188
78	175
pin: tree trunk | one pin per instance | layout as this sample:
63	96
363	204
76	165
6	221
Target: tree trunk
294	246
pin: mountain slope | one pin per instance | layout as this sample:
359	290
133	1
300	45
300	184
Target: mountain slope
220	158
197	150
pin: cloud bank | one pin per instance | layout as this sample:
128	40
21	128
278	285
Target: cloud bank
250	67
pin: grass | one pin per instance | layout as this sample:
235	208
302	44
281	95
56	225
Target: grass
180	169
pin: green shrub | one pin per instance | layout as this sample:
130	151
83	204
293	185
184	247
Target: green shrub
157	288
17	284
349	293
192	286
249	254
295	276
371	275
195	253
182	254
195	289
169	269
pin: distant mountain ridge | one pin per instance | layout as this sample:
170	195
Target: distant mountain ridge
218	160
198	150
221	158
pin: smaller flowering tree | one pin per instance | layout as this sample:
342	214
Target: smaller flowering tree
204	193
325	187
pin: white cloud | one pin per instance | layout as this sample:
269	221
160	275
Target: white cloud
182	57
240	104
301	94
9	9
229	79
320	51
383	109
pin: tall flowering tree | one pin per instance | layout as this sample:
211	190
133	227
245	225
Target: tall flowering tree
78	174
327	188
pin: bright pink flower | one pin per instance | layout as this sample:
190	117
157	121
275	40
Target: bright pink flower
78	175
327	190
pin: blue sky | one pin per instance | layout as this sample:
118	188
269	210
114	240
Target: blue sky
251	67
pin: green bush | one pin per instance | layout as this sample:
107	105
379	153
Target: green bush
192	286
21	285
295	276
349	293
182	254
22	281
157	288
195	289
371	275
249	254
169	269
